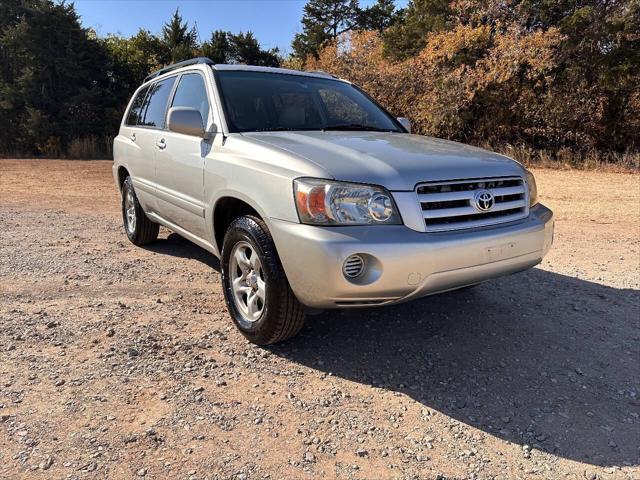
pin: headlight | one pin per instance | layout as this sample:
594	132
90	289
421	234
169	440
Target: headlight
533	189
324	202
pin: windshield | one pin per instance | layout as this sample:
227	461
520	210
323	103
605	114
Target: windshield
258	101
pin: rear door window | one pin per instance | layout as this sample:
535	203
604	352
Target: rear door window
135	112
191	92
155	105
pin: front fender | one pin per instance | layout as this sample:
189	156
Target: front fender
230	193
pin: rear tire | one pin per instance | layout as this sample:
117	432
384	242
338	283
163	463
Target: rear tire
256	290
140	230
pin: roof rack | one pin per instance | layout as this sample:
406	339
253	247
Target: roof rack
186	63
323	73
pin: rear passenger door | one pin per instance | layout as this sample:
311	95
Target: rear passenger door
148	118
138	151
180	161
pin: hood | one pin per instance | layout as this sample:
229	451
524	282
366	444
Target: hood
396	161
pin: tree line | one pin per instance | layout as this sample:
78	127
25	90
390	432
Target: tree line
63	89
538	79
546	79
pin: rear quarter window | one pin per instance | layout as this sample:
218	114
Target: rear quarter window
135	112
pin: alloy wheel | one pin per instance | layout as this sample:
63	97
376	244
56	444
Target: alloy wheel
247	281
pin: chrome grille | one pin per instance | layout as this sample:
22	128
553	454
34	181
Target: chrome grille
452	205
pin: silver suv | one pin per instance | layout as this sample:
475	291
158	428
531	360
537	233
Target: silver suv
313	196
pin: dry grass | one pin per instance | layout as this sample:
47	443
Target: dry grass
91	148
85	148
94	148
565	159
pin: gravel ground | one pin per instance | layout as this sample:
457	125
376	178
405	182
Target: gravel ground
121	362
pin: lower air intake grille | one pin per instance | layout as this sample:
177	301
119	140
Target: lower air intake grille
353	266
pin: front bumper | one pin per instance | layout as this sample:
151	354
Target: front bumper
404	264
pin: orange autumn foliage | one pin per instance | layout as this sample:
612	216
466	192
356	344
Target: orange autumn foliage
486	85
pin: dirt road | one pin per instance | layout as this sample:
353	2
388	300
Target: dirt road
120	362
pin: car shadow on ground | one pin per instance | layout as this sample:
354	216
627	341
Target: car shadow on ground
177	246
537	358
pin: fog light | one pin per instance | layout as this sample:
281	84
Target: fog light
353	266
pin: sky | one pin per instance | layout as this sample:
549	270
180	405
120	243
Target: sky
274	22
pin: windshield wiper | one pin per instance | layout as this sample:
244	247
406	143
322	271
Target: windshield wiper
355	127
344	127
279	129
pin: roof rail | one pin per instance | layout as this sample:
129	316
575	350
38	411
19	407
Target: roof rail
321	72
186	63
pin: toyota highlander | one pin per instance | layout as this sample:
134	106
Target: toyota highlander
313	196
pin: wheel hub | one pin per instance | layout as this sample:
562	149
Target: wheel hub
252	280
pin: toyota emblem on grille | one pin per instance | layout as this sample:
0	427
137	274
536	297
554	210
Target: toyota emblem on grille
484	200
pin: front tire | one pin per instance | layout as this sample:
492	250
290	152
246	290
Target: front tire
256	290
140	230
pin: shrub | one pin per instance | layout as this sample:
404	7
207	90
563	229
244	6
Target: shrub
89	148
497	84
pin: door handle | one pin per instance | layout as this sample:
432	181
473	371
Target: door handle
161	144
133	137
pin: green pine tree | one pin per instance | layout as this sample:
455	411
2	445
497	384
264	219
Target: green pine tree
408	35
181	40
245	49
218	47
54	82
379	16
322	21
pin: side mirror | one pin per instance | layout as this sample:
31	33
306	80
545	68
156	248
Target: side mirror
405	122
186	120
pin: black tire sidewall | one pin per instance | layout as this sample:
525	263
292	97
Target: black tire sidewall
247	229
